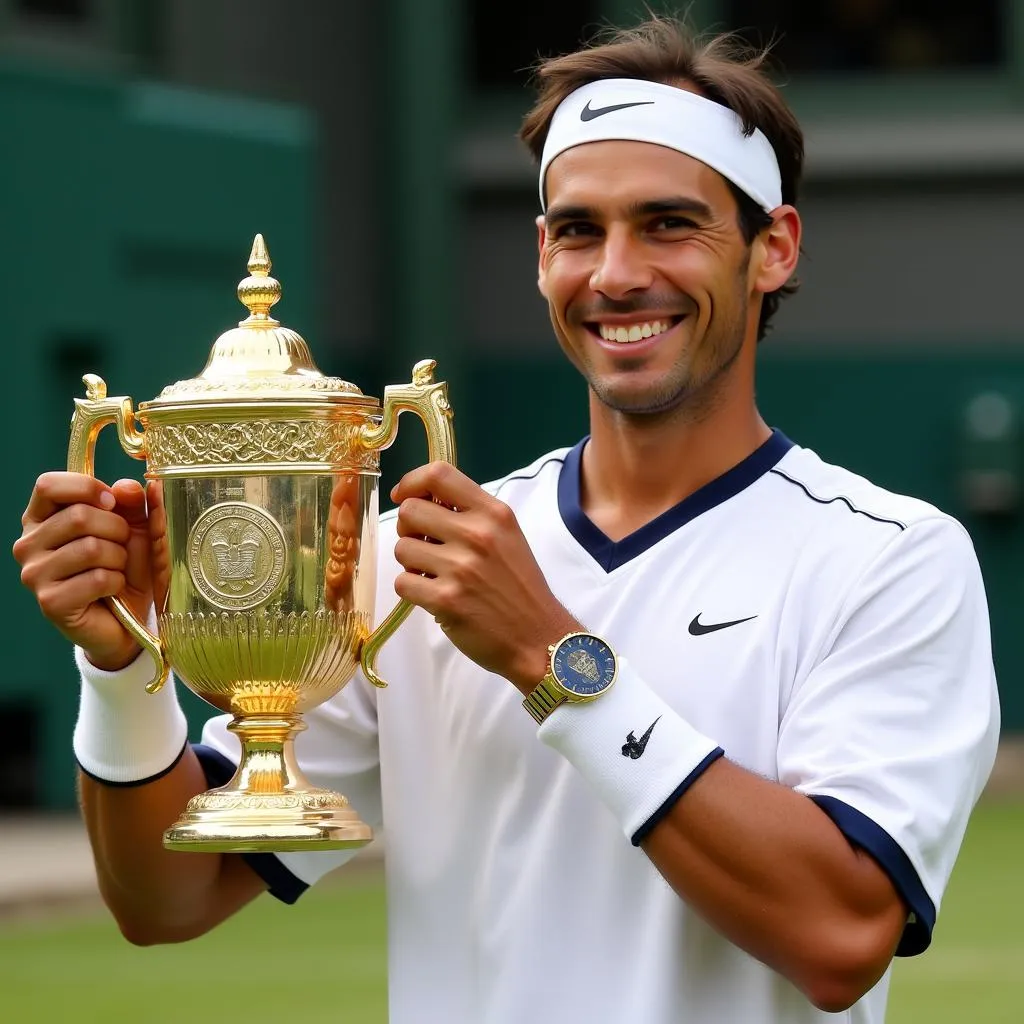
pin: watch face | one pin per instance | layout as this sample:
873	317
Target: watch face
584	664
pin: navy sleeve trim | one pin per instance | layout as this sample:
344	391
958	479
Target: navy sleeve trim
281	883
217	768
863	832
655	819
135	782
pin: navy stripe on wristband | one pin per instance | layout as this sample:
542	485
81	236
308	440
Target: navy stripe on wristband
134	782
656	818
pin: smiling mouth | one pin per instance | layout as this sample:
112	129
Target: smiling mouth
640	330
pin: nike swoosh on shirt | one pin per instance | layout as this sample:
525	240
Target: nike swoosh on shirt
588	113
698	628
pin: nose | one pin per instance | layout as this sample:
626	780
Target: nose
622	267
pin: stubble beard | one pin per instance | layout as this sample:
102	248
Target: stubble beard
685	390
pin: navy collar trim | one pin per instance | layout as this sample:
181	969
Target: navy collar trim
611	554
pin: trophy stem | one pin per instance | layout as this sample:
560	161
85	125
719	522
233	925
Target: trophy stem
268	805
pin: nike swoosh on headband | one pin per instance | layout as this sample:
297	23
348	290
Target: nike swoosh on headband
679	119
588	113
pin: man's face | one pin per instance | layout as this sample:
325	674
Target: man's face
646	273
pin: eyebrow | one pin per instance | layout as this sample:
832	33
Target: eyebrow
644	208
671	204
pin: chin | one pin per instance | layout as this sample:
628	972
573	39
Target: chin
627	394
638	403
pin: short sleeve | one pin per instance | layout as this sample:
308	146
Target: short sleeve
338	750
893	732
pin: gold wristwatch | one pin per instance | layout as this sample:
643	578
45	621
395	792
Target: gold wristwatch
581	667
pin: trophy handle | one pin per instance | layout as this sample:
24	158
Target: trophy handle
91	415
429	400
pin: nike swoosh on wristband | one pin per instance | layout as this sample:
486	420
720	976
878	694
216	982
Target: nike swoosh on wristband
698	628
634	747
588	113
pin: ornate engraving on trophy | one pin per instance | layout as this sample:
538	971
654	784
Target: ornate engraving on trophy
327	442
236	555
316	799
300	384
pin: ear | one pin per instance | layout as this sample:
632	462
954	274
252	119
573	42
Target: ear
779	250
541	261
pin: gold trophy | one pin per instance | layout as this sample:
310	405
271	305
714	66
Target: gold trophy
262	494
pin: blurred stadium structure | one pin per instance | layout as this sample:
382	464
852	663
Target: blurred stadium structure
373	144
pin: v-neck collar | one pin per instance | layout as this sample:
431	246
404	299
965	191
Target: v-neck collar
611	554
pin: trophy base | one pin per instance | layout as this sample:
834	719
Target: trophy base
233	822
268	806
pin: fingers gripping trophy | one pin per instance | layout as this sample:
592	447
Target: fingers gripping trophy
262	495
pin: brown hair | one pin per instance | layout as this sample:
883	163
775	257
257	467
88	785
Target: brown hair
723	69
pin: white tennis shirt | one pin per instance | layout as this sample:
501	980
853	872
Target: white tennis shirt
856	669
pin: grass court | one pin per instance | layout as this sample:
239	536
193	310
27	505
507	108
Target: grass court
324	959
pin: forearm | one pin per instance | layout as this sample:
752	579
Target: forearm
135	783
141	881
767	868
158	895
762	863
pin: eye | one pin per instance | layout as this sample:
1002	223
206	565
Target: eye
576	229
673	222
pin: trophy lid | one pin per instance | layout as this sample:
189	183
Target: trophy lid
259	358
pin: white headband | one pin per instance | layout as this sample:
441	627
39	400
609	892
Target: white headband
640	111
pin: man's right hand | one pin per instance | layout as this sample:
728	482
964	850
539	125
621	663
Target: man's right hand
83	541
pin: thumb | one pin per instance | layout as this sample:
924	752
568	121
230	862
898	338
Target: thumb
131	502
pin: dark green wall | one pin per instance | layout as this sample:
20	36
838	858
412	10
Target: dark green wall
128	212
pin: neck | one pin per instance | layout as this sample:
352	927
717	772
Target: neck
636	467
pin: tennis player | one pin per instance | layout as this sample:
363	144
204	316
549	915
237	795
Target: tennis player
688	723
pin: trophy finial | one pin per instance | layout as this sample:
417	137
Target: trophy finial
259	258
95	387
259	291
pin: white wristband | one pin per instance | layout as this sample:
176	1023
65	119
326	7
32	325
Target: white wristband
637	753
125	735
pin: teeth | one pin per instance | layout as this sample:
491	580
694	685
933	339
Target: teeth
635	332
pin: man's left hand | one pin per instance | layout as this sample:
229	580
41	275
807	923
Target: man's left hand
467	562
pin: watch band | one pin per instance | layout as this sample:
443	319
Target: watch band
543	699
